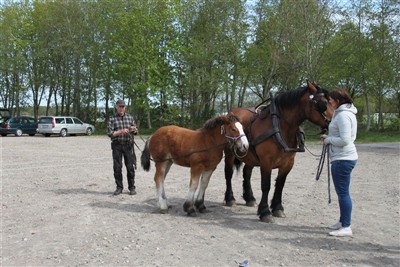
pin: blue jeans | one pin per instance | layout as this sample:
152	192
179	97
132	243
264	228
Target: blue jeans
341	175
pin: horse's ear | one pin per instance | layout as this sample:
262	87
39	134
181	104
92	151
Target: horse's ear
312	87
221	119
233	117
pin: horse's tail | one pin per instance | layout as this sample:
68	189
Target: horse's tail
145	158
237	164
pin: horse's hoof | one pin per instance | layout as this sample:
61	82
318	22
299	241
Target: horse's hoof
163	211
191	213
202	209
251	203
188	207
267	219
230	203
279	213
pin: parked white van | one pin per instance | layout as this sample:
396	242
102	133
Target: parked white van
63	126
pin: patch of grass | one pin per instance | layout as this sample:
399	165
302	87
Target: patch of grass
377	136
312	136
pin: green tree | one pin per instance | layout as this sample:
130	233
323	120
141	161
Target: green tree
384	26
15	27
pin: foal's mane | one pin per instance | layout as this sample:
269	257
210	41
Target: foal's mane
218	121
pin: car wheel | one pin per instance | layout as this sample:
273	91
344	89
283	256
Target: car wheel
18	132
89	131
63	132
3	134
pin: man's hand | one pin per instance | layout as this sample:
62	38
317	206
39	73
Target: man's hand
121	132
133	129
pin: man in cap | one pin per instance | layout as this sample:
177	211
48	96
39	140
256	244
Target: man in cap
120	128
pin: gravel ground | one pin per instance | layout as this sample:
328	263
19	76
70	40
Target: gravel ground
57	209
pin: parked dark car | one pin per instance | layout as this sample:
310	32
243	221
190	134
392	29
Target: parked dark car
19	125
5	114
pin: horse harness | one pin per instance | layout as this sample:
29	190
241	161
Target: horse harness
275	131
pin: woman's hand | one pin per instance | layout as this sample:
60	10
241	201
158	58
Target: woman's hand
323	138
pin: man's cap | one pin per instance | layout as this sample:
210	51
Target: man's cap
120	102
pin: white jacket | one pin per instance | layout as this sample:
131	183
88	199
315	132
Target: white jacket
342	133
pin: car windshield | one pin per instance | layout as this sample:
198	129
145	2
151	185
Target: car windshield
5	113
78	121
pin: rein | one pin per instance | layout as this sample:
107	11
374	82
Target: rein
324	154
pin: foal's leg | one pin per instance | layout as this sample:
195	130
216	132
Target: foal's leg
162	169
247	190
205	179
194	182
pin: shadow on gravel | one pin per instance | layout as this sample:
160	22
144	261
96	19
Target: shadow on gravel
80	191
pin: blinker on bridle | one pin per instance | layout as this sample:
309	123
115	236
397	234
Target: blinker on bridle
321	107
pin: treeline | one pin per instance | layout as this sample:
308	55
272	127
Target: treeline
183	61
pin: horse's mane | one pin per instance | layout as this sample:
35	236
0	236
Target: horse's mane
290	98
218	121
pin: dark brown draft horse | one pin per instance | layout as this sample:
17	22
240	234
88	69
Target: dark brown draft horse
275	136
200	150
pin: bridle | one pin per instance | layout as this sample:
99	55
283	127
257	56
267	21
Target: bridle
319	105
232	141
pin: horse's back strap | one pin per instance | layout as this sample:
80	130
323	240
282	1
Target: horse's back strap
264	136
275	124
276	133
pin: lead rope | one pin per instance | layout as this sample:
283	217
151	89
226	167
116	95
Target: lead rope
325	154
133	143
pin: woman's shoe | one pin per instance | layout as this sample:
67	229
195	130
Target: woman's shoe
344	231
336	226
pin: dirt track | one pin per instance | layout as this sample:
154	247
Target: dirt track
57	210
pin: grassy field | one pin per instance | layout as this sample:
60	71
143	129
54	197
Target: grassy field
375	136
363	137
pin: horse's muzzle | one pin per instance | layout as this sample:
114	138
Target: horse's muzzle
240	142
243	143
326	127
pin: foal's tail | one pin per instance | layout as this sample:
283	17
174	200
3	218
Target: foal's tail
237	164
145	158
